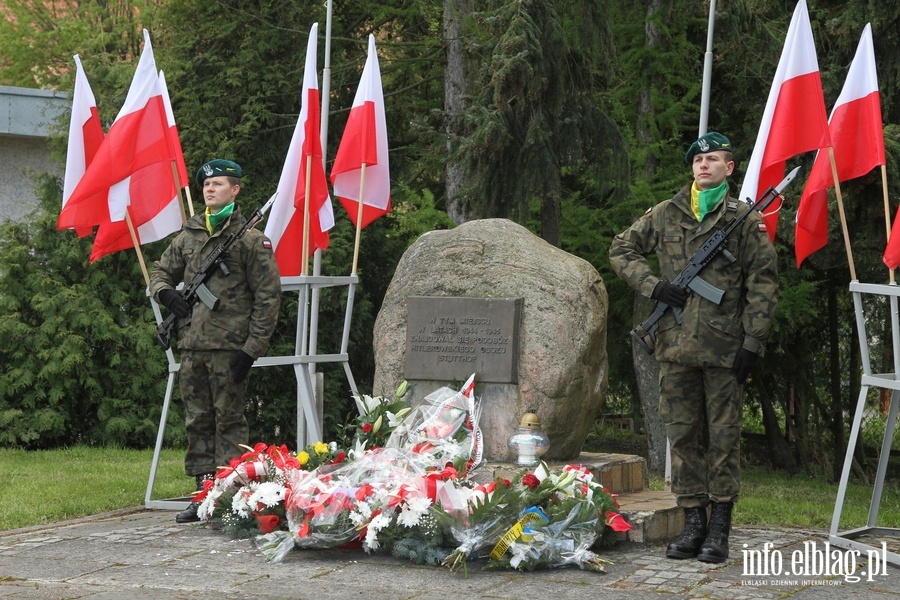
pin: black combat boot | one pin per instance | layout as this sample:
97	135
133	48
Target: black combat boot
189	515
715	548
688	544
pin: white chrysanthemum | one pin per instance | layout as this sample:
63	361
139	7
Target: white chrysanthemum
268	494
371	542
380	522
239	505
207	507
361	514
413	511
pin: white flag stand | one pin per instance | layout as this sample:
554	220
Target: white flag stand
309	417
847	539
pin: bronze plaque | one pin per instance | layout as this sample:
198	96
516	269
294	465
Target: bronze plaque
448	338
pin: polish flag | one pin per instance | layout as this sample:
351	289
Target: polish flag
154	199
858	138
285	225
138	138
181	168
794	120
891	256
85	137
364	142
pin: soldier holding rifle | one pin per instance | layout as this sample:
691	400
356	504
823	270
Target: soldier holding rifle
706	348
222	336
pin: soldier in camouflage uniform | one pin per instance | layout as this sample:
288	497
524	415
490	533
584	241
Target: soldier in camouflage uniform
218	347
704	362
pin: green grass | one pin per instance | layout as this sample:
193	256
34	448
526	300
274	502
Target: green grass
53	485
773	498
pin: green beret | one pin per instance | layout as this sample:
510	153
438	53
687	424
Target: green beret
708	142
218	167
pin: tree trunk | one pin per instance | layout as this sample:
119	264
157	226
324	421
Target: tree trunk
780	453
652	37
455	85
646	370
551	218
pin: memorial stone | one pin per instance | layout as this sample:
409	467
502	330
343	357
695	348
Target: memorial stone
560	365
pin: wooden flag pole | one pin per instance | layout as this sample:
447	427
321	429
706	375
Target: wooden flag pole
887	211
840	202
305	249
359	216
137	247
190	200
178	190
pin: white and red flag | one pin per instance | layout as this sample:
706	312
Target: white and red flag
181	168
364	142
85	136
147	191
794	120
857	136
138	138
285	226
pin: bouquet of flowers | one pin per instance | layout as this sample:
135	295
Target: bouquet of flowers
543	519
329	507
379	419
248	496
582	516
444	428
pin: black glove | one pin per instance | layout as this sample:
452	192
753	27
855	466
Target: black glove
175	303
240	365
743	364
669	293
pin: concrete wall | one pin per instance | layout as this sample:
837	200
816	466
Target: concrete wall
27	117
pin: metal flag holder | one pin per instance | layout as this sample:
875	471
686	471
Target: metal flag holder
309	417
848	539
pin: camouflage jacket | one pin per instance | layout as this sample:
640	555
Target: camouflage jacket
250	297
710	335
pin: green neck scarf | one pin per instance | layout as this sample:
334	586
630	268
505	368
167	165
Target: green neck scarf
213	220
704	201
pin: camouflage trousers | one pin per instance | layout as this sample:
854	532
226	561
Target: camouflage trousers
214	410
701	408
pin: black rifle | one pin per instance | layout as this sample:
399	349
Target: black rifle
688	279
196	290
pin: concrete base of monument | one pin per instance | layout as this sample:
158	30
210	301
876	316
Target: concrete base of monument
653	514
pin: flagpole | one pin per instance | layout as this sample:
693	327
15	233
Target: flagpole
887	212
323	135
305	258
707	70
840	203
190	200
359	215
178	189
137	246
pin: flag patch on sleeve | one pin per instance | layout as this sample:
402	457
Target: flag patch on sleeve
762	227
267	244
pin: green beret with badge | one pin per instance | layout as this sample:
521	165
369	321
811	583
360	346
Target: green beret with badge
218	167
708	142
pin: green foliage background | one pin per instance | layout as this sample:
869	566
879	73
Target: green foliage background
587	105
